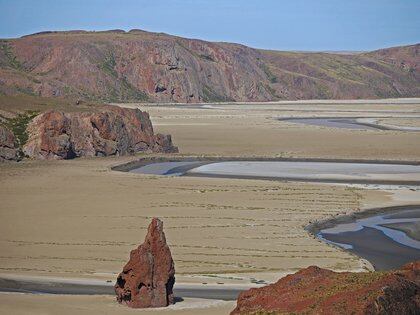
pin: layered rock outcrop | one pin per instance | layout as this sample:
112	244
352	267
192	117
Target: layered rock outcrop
148	278
320	291
8	149
137	65
113	131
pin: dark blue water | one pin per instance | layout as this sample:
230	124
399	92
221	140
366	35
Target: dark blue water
370	238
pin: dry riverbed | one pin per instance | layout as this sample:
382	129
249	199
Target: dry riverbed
254	130
80	219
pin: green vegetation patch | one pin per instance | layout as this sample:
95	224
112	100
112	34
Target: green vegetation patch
207	57
10	57
124	91
25	90
211	96
323	92
108	65
18	126
271	77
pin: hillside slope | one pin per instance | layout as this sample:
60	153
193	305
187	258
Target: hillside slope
143	66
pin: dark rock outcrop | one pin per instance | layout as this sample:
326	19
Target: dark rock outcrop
114	131
320	291
149	276
8	149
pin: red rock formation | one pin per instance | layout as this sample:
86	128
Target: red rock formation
137	65
8	150
320	291
114	131
149	276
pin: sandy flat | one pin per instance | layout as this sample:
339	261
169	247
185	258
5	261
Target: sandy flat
15	303
79	219
409	122
254	130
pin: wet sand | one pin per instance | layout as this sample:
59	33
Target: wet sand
306	171
402	123
317	171
48	285
335	122
167	168
373	245
411	229
18	304
361	122
367	235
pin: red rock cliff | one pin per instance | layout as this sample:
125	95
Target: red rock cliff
114	131
138	65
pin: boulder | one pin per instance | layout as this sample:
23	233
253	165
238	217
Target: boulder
320	291
113	131
149	276
8	149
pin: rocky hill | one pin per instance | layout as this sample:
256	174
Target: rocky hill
142	66
320	291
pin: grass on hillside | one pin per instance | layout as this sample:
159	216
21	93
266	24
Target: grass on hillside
16	112
124	91
11	59
18	126
13	105
108	65
271	77
211	96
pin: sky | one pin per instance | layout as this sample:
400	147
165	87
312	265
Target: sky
305	25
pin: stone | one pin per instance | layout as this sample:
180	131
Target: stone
315	290
8	149
148	278
112	131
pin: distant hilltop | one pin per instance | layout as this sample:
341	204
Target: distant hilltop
120	66
85	32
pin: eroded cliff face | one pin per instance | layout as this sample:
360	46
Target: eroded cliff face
320	291
143	66
114	131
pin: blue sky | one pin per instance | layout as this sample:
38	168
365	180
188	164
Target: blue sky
271	24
